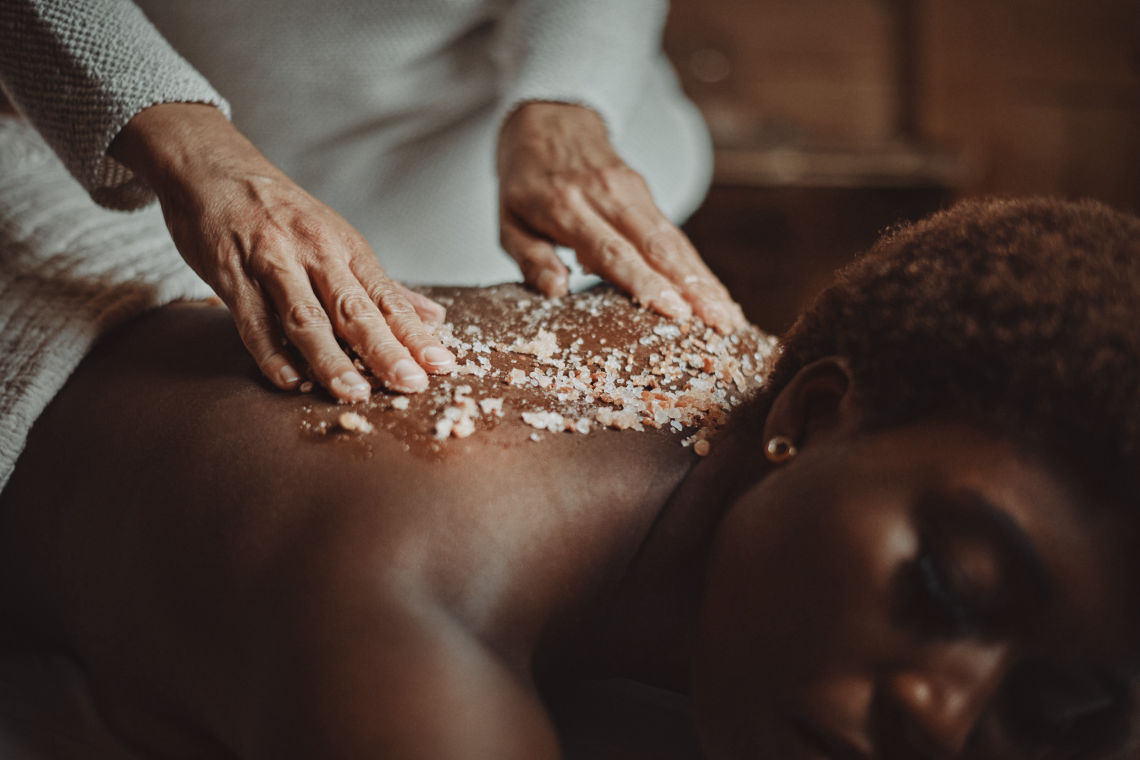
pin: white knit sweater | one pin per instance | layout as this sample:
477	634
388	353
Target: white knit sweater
386	110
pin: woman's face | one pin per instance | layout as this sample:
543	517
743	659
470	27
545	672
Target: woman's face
922	592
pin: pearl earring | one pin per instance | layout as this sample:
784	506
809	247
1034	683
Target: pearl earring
780	449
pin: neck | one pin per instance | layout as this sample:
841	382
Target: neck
645	628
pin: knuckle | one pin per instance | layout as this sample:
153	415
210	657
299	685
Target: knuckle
392	303
352	305
608	252
565	195
536	252
530	269
304	316
661	245
266	265
255	328
311	230
617	178
267	242
382	292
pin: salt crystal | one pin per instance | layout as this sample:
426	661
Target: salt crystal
491	406
464	427
353	423
544	345
552	421
400	402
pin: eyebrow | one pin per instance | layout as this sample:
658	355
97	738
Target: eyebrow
979	516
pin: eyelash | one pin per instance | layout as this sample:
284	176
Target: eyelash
951	614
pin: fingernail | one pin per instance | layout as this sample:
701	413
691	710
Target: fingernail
671	303
550	283
409	374
288	376
438	357
350	384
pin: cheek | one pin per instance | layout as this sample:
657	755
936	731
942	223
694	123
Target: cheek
798	595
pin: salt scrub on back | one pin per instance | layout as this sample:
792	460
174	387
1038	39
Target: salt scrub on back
569	365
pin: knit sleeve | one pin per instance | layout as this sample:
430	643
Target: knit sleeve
597	53
78	70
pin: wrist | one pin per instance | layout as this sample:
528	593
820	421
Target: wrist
532	124
537	112
163	143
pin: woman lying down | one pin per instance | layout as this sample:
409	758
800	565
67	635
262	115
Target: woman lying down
917	539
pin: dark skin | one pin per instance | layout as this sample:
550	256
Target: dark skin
272	595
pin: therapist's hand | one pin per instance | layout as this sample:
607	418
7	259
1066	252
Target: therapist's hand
562	183
289	268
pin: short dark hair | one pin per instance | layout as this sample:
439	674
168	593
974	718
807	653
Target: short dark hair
1022	316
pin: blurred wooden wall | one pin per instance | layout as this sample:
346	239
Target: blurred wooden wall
834	119
1037	96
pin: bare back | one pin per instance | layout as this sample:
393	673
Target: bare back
209	547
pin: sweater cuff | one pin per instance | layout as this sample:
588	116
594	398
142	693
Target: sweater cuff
78	70
594	53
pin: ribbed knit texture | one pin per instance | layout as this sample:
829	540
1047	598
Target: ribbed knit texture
79	70
69	271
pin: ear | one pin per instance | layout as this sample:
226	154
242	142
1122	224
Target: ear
819	399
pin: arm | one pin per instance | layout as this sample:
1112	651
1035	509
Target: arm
79	70
131	119
562	182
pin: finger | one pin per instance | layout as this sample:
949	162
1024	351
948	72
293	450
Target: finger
670	252
419	349
540	266
307	327
604	251
431	312
259	331
358	321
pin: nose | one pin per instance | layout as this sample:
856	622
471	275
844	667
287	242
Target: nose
940	695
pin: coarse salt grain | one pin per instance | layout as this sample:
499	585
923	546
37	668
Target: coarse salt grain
353	423
544	345
552	421
464	427
400	402
491	406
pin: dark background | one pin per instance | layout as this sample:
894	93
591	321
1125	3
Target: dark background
834	119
